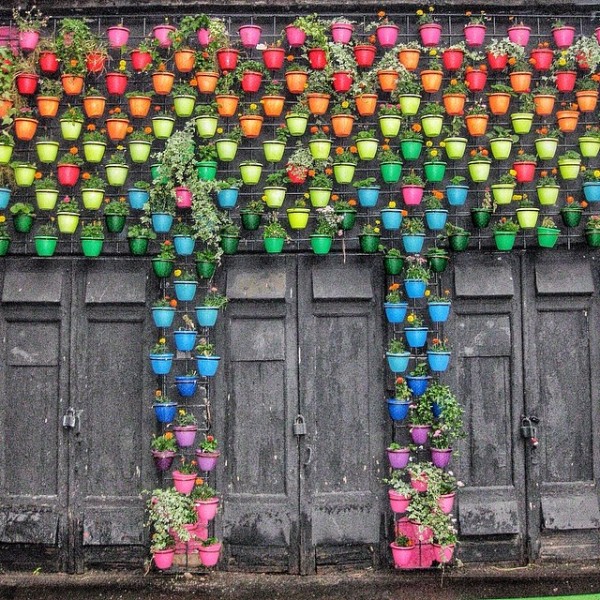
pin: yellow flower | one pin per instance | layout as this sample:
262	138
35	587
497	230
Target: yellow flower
376	230
434	153
427	293
219	130
253	106
562	62
392	204
517	197
2	218
345	104
513	172
410	318
429	143
419	13
122	65
442	144
177	272
433	52
377	222
181	411
306	195
597	173
162	341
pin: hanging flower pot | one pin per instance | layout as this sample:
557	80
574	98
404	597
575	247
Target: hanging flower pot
46	150
397	362
519	34
140	60
567	120
565	80
502	193
591	191
250	35
411	148
251	81
297	217
569	167
28	40
454	104
296	124
227	59
72	84
92	198
476	124
273	58
409	58
475	79
391	171
544	104
479	171
274	196
296	81
501	147
438	311
318	103
541	58
525	171
521	122
251	125
546	147
185	60
499	103
431	80
250	172
67	174
273	150
587	100
320	243
505	240
116	128
474	34
387	35
342	81
116	174
207	365
409	103
430	34
452	59
412	194
398	502
520	81
527	217
116	83
413	244
395	312
27	83
364	55
67	222
342	125
455	147
434	171
94	106
139	106
48	62
319	197
547	236
341	32
320	148
547	194
207	170
432	125
46	199
45	245
438	361
388	79
368	196
25	128
162	82
390	125
436	218
589	146
162	34
139	151
24	174
497	62
226	149
456	194
162	126
93	152
47	106
344	172
206	81
563	36
416	337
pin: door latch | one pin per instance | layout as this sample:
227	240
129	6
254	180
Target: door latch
299	426
69	419
529	429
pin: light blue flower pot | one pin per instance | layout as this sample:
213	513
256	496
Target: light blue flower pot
436	219
185	290
416	337
161	363
391	218
165	412
161	222
206	315
415	288
227	198
395	311
185	340
4	197
163	316
368	196
438	361
438	311
457	194
184	244
591	191
398	363
413	243
207	365
137	198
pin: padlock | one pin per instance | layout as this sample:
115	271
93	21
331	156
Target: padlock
69	419
529	427
299	426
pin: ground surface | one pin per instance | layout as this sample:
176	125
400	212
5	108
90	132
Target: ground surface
466	583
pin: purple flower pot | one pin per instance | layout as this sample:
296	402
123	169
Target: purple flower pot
419	433
398	458
163	460
441	457
185	435
207	461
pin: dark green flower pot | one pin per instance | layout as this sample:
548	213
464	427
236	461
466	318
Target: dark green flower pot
161	267
593	238
481	217
23	223
45	245
571	216
250	220
437	264
229	244
459	241
393	264
369	243
4	246
205	269
138	246
91	247
115	223
320	244
348	220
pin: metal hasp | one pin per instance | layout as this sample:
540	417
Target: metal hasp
299	426
69	419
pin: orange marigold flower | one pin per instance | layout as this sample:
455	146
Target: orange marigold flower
570	200
381	14
394	287
554	171
483	68
73	62
193	82
85	176
416	127
91	127
38	175
169	435
314	129
328	171
473	152
339	150
399	379
512	60
117	110
468	13
311	172
73	150
158	393
453	81
156	108
173	302
290	57
334	197
147	129
583	204
111	111
325	128
520	151
372	39
353	149
469	69
485	152
161	67
404	213
352	202
385	147
199	481
129	129
437	194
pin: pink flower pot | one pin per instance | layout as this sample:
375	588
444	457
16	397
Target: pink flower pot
519	34
181	546
430	34
163	559
474	35
419	485
28	40
161	34
183	197
563	36
446	502
250	35
207	461
185	435
183	482
209	555
387	35
341	32
404	558
206	509
412	194
203	36
398	503
118	36
443	554
295	36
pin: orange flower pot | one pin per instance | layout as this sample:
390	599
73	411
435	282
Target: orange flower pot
25	128
431	80
296	81
72	84
499	103
454	104
227	104
94	106
567	120
116	129
185	60
162	82
251	125
409	57
207	81
47	105
5	106
587	100
139	106
366	104
388	80
342	125
273	105
520	81
318	103
544	104
476	124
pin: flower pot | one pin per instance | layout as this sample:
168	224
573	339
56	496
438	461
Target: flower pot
251	125
165	411
389	125
476	124
519	34
320	244
416	337
206	315
161	363
342	125
207	365
207	81
411	149
67	222
369	243
5	194
206	269
404	557
67	174
368	196
505	240
317	58
412	194
364	55
116	128
48	62
569	168
227	59
6	152
481	217
91	247
137	198
443	554
419	434
93	152
430	34
587	100
434	171
207	170
479	171
589	146
457	194
343	173
476	79
72	84
23	223
163	559
432	125
547	195
397	363
431	80
25	128
138	246
296	81
206	509
319	197
118	36
227	198
409	104
446	502
46	151
366	148
452	59
565	81
399	458
387	35
455	147
139	151
567	120
393	265
395	312
502	193
163	316
398	502
592	238
161	222
348	218
162	267
547	236
437	264
438	311
27	83
541	58
45	245
298	217
438	361
436	218
185	340
140	60
116	174
274	196
249	35
390	171
520	81
209	555
186	385
91	198
273	58
296	124
47	106
474	34
415	288
454	104
184	105
273	245
498	103
273	150
525	171
391	218
184	482
24	174
342	81
229	244
185	435
163	459
501	148
185	290
441	457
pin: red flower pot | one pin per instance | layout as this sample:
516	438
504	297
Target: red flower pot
116	83
497	63
227	59
27	83
525	171
342	80
563	36
67	174
452	59
140	60
296	174
273	58
251	81
364	55
317	58
541	58
475	80
565	81
48	62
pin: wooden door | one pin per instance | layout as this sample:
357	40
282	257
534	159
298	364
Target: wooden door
302	338
73	339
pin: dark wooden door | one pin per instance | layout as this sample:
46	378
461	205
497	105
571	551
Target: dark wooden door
526	334
303	338
73	335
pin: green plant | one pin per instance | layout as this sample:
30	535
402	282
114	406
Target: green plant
321	180
164	443
278	178
505	224
449	427
160	347
116	207
420	410
413	225
445	297
549	223
117	158
367	182
68	205
168	511
394	294
274	229
432	202
342	156
185	418
92	182
593	223
416	268
139	135
414	320
70	158
205	348
256	206
403	541
396	346
398	484
140	230
184	275
166	251
412	178
93	230
328	222
94	135
29	19
569	155
209	443
161	200
386	154
591	175
546	180
401	389
432	109
203	492
214	299
507	179
182	228
390	110
46	183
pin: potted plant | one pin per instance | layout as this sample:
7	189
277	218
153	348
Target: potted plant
208	311
115	215
413	234
399	492
164	408
457	191
415	331
161	358
397	358
395	307
46	239
592	231
369	238
547	233
327	225
412	188
367	191
207	362
420	417
205	500
505	232
416	276
163	450
274	235
438	307
138	237
207	454
92	238
344	165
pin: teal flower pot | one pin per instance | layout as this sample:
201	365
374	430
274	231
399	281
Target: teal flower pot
457	194
398	363
438	311
227	198
368	196
207	366
436	218
185	339
395	312
415	288
185	290
416	337
391	218
438	361
162	222
137	198
184	244
163	316
413	243
161	363
206	315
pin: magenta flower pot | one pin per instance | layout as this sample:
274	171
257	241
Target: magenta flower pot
28	40
183	197
250	35
163	559
118	36
431	34
163	460
419	433
474	35
206	509
446	502
295	36
398	459
185	435
387	35
209	555
183	482
412	194
398	503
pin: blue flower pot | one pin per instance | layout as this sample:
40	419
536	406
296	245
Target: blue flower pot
163	317
417	385
438	311
436	219
184	244
137	198
413	243
367	197
165	413
457	194
391	218
161	222
4	197
416	337
395	311
591	191
438	361
398	409
207	365
161	363
186	385
398	363
206	315
436	409
227	198
415	288
185	290
185	340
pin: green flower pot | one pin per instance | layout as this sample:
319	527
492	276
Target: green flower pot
70	130
67	222
162	127
162	267
432	125
593	238
207	170
391	171
93	152
226	150
24	175
250	172
320	244
4	246
502	193
92	199
411	149
319	197
139	151
455	147
23	223
115	223
46	199
527	217
505	240
348	220
390	125
250	220
273	245
393	265
367	148
206	126
138	246
298	217
91	247
434	171
459	241
116	175
205	269
547	195
273	150
296	124
45	245
547	236
343	173
409	104
521	122
501	148
274	196
479	171
589	146
481	217
184	105
569	169
320	149
571	216
229	244
369	243
546	148
437	264
47	151
6	152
